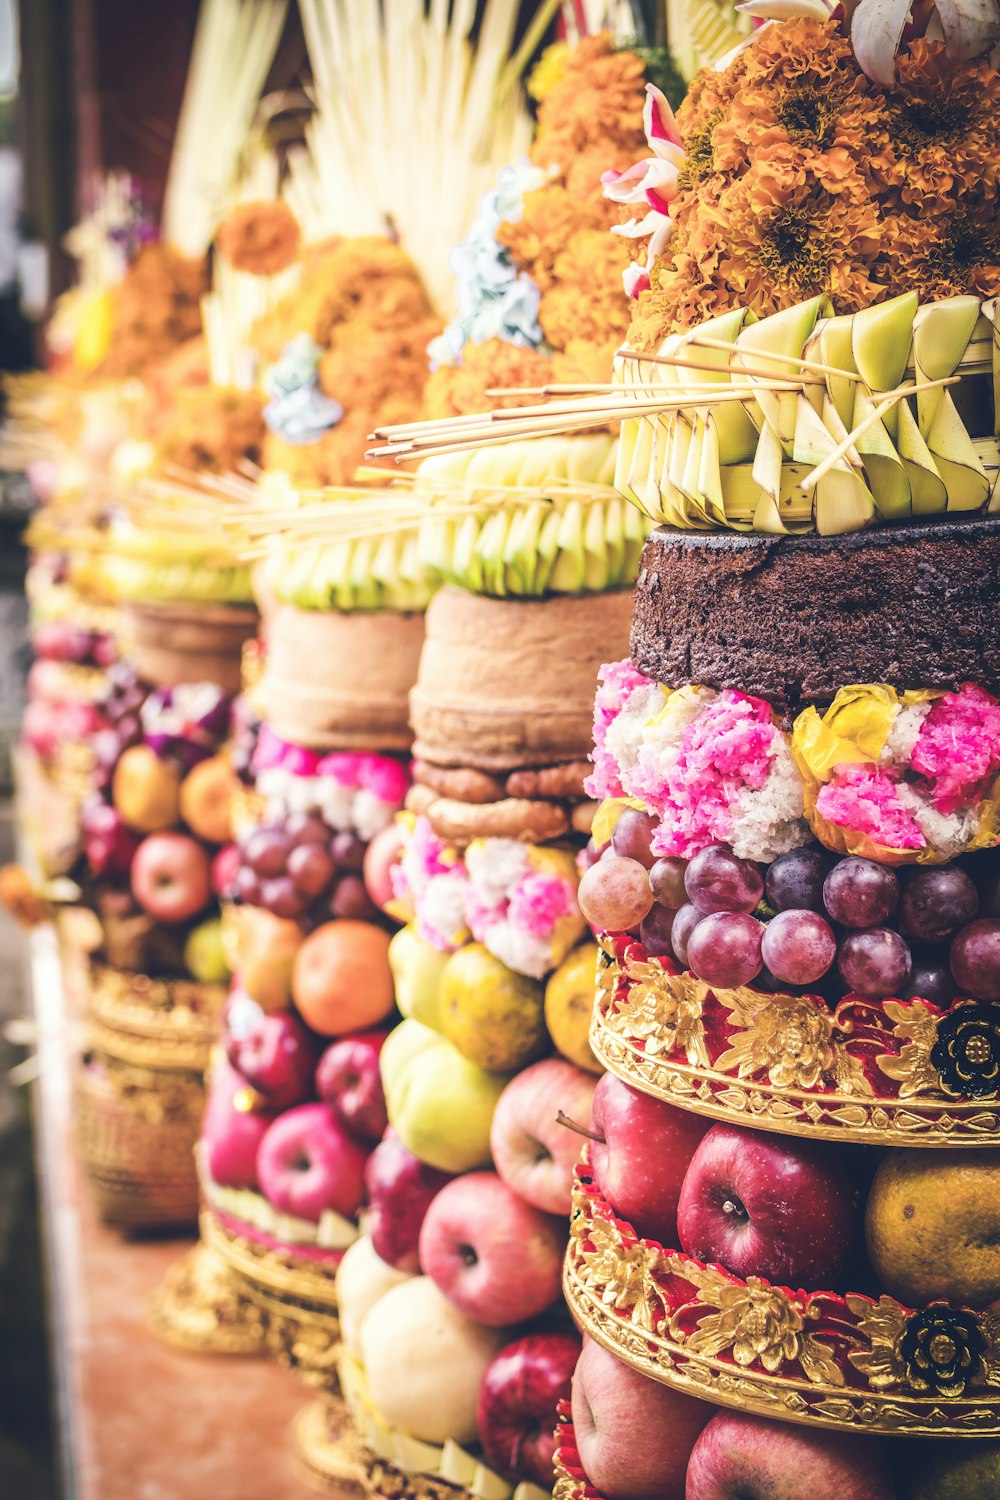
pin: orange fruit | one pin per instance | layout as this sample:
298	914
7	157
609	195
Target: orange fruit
933	1226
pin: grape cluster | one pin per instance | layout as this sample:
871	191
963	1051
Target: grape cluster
297	866
120	705
243	741
809	921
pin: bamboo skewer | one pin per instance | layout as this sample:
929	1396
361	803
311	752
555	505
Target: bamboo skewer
694	364
875	415
432	438
792	359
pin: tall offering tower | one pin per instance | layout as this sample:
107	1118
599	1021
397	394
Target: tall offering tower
790	1209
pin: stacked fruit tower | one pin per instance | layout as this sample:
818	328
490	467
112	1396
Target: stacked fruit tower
456	1346
155	826
789	1208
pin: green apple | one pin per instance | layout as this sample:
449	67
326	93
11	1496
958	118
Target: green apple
205	955
440	1104
417	967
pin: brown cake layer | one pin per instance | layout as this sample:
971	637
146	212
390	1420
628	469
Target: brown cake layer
506	684
173	643
795	618
336	681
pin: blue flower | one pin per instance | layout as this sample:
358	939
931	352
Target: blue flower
298	411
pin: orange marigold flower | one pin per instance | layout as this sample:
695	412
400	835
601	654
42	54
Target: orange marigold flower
585	298
802	177
551	216
584	363
157	305
946	255
213	429
261	238
598	100
455	390
943	128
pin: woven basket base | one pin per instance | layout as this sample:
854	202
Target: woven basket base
200	1307
140	1167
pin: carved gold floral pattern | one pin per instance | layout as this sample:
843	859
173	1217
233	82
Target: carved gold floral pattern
789	1038
756	1323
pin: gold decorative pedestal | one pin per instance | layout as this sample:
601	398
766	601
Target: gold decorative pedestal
202	1308
326	1449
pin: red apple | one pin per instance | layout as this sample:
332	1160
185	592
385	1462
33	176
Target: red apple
224	867
533	1153
634	1435
348	1079
277	1057
498	1259
399	1188
40	727
380	856
747	1458
107	843
170	877
767	1205
231	1132
642	1155
308	1163
516	1413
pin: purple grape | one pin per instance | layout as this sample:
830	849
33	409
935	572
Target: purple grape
795	881
632	836
975	959
936	903
654	931
930	981
348	850
307	828
718	880
280	897
684	923
312	868
860	893
266	851
246	886
874	963
799	946
351	899
666	881
589	855
724	948
614	894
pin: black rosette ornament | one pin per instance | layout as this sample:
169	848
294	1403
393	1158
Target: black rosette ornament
942	1349
967	1050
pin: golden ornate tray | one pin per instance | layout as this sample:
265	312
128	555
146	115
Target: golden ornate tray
889	1073
818	1358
